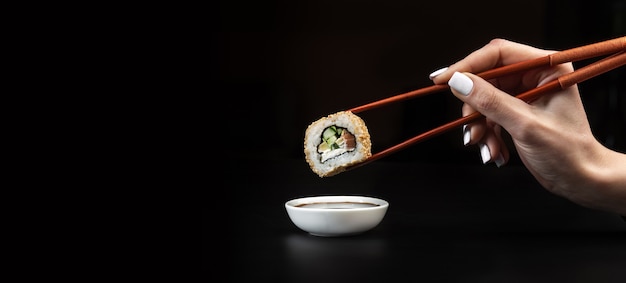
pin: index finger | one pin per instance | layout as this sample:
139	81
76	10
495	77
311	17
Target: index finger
498	52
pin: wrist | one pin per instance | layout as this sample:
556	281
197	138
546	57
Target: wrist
608	181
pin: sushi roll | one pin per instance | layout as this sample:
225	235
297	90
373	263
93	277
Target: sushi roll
337	141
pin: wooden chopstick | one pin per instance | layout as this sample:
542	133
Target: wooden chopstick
564	81
565	56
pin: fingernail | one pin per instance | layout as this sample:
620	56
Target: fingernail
467	132
437	73
485	153
461	83
499	160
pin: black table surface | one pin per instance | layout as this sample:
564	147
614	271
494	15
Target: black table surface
445	223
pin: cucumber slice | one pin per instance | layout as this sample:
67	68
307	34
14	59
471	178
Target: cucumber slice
331	140
329	132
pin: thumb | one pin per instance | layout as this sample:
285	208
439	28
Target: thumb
493	103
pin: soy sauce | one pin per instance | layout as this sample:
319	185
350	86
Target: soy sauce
338	205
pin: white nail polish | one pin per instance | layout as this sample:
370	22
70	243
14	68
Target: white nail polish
485	153
461	83
499	160
467	134
437	73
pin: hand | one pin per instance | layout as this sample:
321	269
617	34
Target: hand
551	135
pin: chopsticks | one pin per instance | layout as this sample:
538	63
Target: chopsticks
616	47
565	56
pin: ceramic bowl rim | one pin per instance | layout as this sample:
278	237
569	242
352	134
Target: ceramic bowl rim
380	203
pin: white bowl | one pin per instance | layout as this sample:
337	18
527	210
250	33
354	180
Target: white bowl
331	216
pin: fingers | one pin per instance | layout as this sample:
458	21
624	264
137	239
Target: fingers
472	132
496	105
500	109
492	147
487	136
503	158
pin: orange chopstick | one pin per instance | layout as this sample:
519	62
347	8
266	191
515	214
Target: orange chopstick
618	59
565	56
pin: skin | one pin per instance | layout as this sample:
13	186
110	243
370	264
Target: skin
552	134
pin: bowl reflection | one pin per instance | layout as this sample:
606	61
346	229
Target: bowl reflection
346	259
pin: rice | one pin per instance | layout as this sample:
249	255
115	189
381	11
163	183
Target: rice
342	149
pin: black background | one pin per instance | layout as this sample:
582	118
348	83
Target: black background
281	65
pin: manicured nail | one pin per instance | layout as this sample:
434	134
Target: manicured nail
437	73
467	133
485	153
461	83
499	160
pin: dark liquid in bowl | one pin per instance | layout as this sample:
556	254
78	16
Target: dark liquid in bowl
337	205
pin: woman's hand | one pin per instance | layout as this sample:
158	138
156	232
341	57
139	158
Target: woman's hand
551	135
